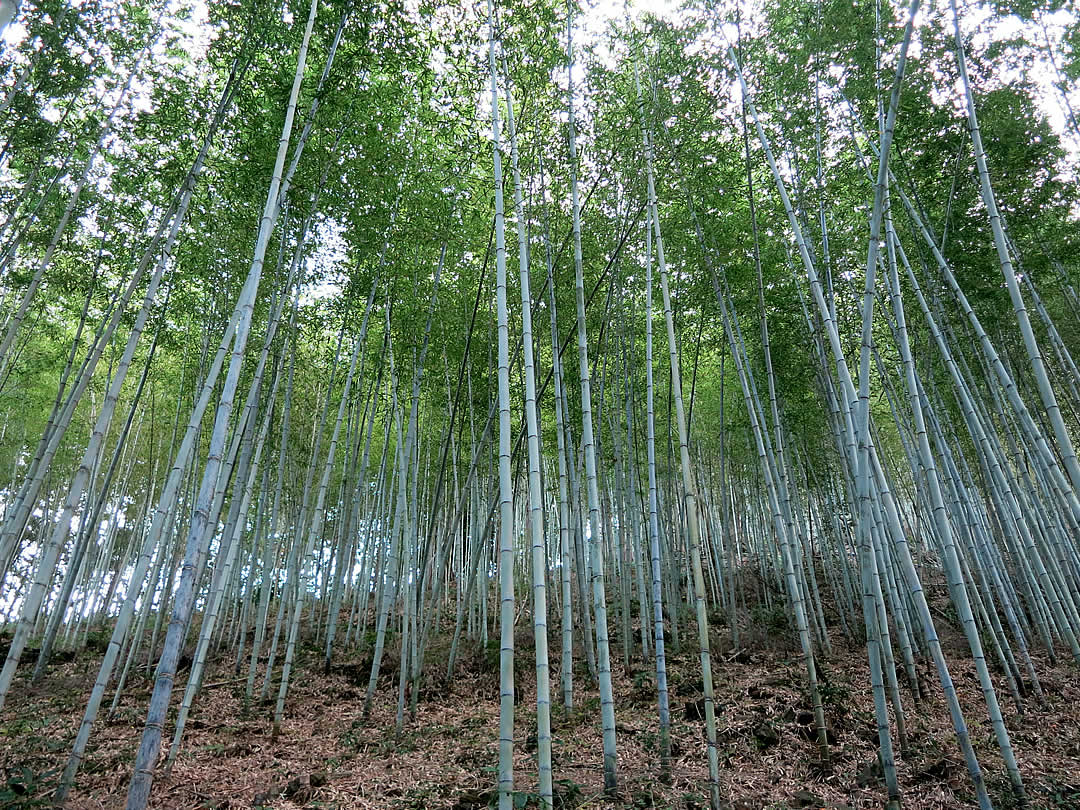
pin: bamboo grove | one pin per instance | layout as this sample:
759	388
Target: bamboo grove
401	327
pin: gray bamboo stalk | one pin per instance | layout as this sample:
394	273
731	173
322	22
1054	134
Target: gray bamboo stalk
905	560
389	577
862	416
15	521
535	505
506	493
163	515
596	561
662	697
273	540
315	531
348	560
688	484
566	668
1001	493
146	758
33	600
250	460
91	522
1038	368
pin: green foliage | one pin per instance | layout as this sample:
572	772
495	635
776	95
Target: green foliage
1063	795
1071	44
568	793
835	696
774	620
353	738
643	680
98	641
26	788
491	655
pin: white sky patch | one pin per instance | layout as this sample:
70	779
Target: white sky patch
1041	73
601	12
325	263
14	35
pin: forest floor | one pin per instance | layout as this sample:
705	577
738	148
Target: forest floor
327	756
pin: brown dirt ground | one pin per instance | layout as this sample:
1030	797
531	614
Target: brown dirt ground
327	757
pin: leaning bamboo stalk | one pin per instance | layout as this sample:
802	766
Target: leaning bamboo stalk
139	791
